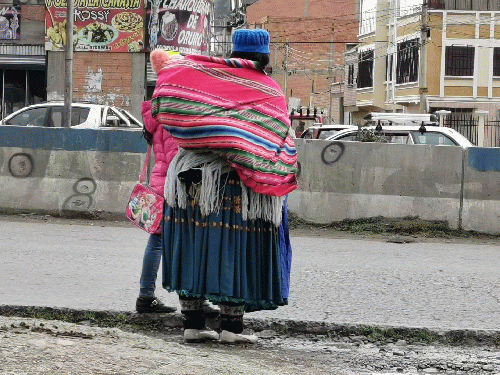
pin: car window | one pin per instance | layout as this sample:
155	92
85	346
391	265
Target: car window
30	117
118	118
348	137
83	116
401	138
78	116
323	134
383	137
433	138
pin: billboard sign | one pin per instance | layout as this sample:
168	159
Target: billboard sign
99	25
10	20
178	25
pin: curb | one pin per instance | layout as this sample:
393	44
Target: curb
283	327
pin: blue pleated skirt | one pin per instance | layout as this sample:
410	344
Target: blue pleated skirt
223	258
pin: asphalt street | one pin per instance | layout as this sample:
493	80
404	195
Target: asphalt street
432	285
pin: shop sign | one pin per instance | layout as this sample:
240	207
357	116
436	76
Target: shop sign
10	20
99	25
178	25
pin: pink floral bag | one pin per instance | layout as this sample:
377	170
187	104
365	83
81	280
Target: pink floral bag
145	206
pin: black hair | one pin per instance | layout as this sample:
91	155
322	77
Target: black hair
261	58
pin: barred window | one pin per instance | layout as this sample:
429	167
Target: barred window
459	61
482	5
365	69
496	61
350	74
407	64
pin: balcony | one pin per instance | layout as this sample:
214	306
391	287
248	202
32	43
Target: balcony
474	5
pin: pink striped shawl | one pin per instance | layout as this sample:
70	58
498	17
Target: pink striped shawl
232	108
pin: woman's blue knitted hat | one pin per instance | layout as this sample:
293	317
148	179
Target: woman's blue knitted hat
251	40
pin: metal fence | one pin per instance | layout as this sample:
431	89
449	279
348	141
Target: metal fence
492	133
467	124
464	123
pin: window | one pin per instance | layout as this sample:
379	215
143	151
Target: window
350	137
459	61
431	138
350	74
407	64
30	117
482	5
388	67
407	7
365	69
78	116
496	61
368	16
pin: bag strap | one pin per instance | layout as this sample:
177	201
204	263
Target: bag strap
142	176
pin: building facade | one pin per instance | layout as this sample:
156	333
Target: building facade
22	55
421	60
308	42
111	39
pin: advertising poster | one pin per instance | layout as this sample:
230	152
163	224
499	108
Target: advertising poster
99	25
10	20
178	25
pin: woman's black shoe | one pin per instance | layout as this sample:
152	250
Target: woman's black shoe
152	305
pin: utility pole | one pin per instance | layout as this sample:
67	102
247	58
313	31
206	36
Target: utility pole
285	71
422	79
68	63
330	75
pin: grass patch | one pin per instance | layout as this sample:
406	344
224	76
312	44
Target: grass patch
374	334
407	226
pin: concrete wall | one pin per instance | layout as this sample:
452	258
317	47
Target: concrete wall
59	169
94	171
351	180
481	205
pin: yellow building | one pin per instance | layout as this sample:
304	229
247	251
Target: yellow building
453	44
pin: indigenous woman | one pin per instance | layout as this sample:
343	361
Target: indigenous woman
225	233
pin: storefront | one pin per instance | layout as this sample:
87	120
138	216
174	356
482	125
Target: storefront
22	77
22	58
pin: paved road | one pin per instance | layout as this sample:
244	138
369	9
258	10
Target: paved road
333	280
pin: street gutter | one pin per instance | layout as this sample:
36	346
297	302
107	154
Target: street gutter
147	323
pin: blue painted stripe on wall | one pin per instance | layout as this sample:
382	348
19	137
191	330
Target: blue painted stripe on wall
73	139
484	159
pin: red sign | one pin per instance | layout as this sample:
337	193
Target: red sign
99	25
179	25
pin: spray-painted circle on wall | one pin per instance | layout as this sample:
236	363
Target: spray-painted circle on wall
78	202
85	186
21	165
332	152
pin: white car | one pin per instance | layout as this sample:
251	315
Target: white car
406	134
83	116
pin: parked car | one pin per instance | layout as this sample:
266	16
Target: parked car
83	116
406	134
324	131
